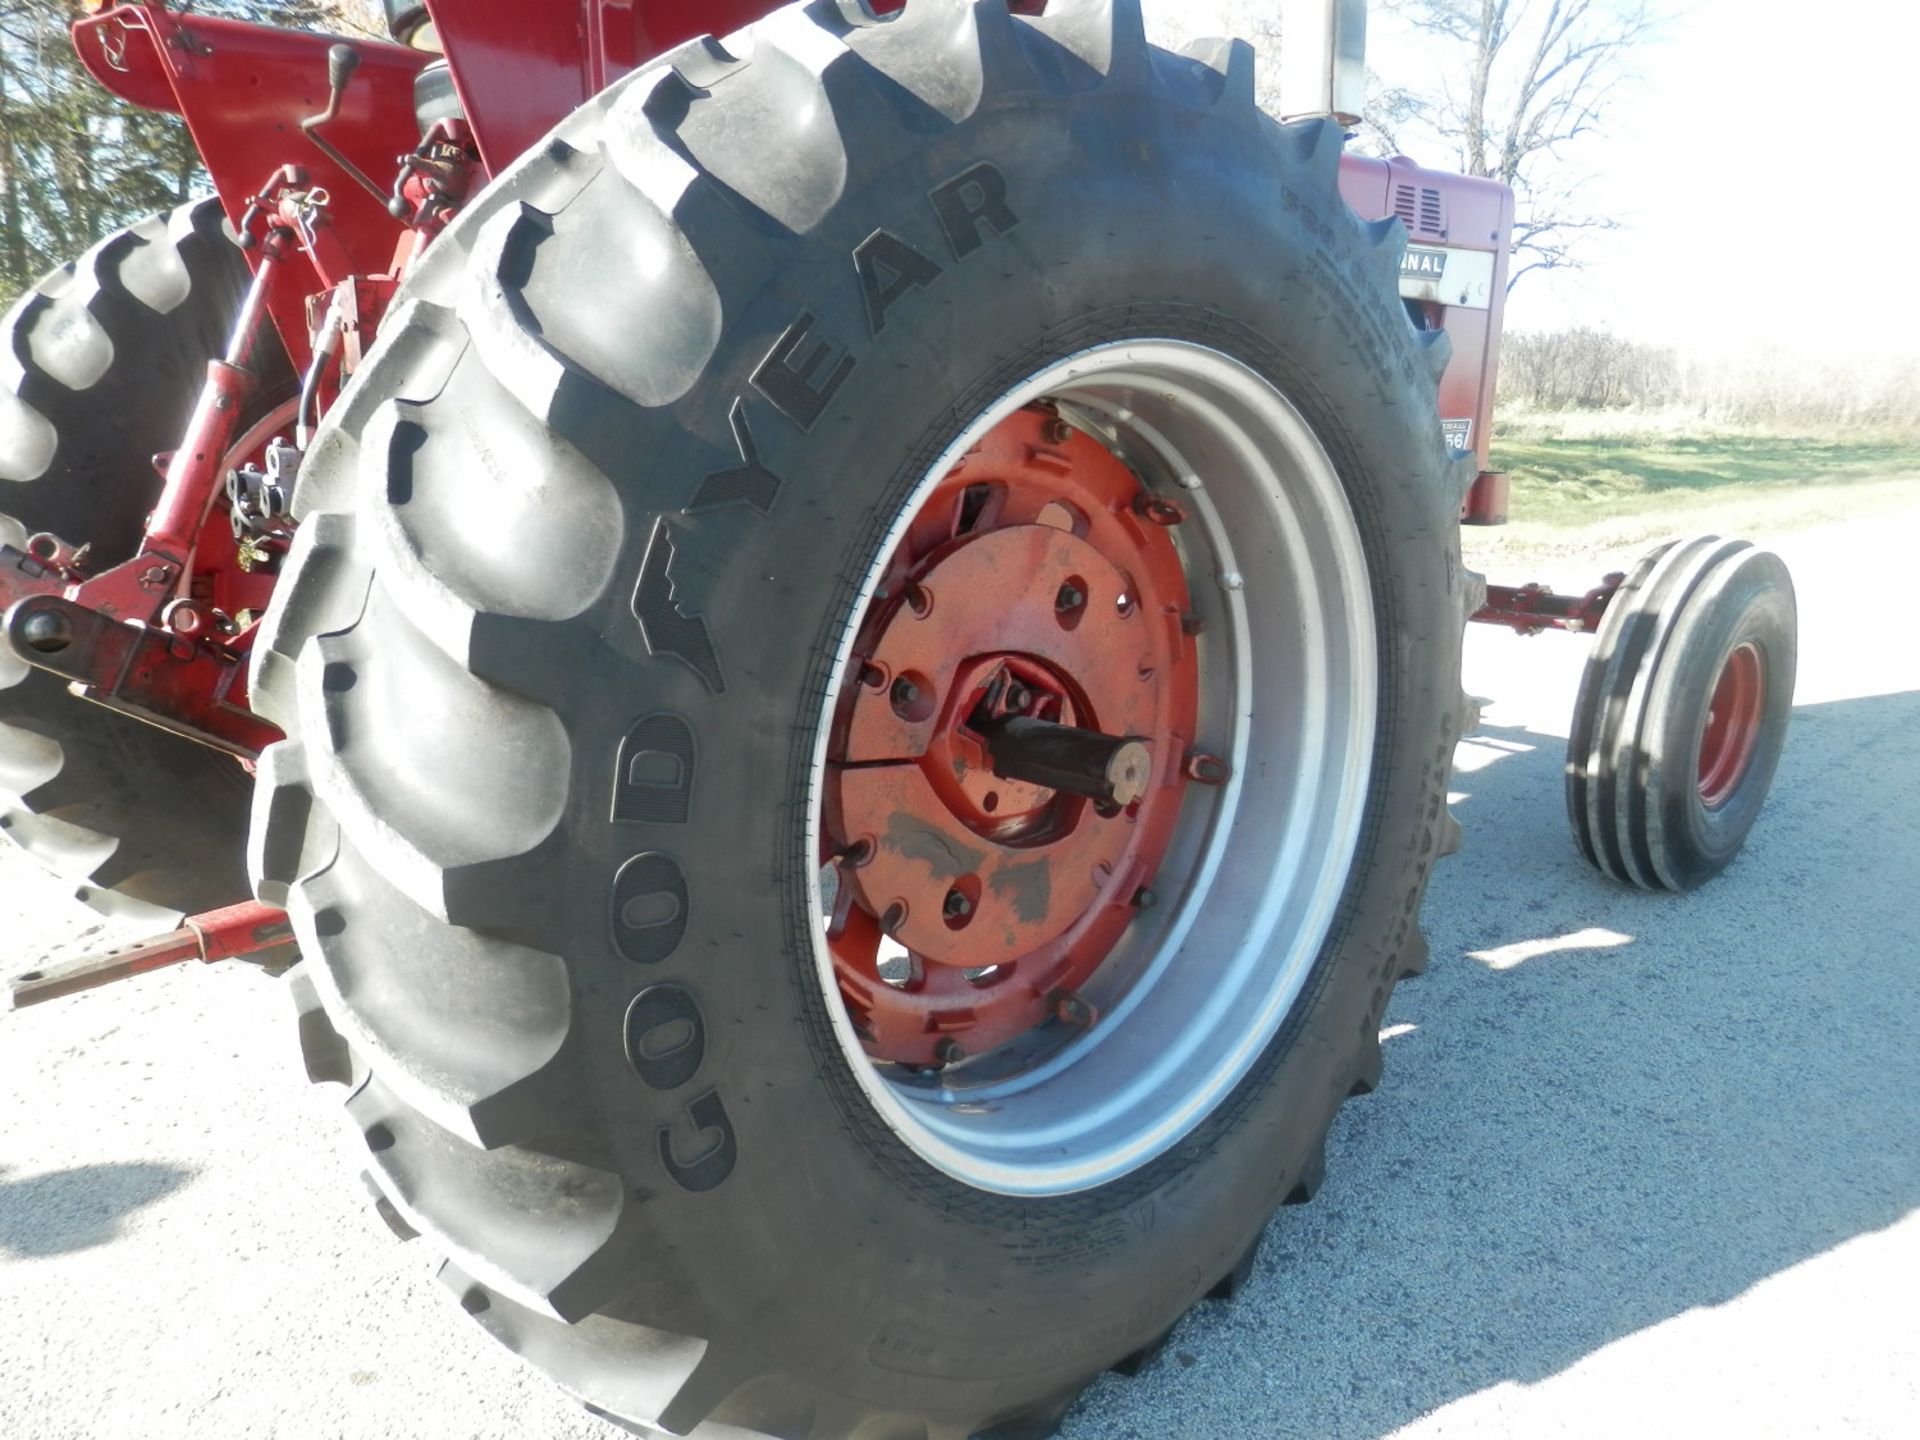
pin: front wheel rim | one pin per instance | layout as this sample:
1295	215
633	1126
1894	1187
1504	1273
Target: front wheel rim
1734	719
1247	881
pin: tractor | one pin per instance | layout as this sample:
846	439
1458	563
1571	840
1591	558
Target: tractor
836	649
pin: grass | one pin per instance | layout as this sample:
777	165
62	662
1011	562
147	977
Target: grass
1593	490
1569	471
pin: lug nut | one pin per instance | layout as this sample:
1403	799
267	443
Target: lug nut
957	906
1192	623
1144	899
949	1051
906	694
1056	431
1071	597
1157	509
1072	1009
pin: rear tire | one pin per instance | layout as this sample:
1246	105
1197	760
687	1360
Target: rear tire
101	362
1662	788
544	819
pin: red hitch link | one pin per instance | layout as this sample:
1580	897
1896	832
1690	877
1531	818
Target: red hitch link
236	932
1529	609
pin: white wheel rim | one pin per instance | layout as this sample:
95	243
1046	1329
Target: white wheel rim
1202	983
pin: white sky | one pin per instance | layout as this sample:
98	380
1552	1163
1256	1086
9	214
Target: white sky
1761	165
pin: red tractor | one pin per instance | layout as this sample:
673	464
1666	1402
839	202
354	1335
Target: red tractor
843	643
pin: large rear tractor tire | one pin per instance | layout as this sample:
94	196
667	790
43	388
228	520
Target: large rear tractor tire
1682	713
100	363
871	667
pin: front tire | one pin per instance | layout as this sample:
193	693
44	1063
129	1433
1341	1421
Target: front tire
1682	713
583	558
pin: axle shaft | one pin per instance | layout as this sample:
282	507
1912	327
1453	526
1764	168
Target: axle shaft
1110	769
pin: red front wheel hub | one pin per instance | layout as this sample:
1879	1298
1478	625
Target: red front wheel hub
973	892
1734	718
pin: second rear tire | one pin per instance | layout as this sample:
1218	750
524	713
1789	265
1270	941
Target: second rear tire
104	358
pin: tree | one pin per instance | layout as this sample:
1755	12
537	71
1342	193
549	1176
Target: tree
73	162
1515	84
1520	82
76	163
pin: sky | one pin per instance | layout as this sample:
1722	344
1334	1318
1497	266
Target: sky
1761	166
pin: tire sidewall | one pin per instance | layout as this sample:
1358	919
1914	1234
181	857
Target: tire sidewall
1753	604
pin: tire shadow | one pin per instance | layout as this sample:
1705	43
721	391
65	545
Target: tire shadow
77	1209
1601	1109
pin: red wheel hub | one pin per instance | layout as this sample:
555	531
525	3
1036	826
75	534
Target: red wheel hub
1733	723
1039	580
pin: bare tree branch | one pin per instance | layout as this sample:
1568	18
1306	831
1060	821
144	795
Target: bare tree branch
76	163
1533	77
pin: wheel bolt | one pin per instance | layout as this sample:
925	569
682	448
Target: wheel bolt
1158	509
1143	898
1017	697
949	1051
957	906
906	694
1071	597
1207	769
1072	1009
892	918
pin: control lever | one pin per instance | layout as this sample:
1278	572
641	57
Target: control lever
342	61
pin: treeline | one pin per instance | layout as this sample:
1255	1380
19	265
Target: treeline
1583	369
77	164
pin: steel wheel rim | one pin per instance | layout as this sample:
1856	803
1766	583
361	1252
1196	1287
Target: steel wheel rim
1731	731
1200	985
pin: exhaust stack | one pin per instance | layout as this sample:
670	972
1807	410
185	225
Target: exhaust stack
1323	59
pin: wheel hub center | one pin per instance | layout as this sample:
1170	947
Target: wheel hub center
979	749
1009	769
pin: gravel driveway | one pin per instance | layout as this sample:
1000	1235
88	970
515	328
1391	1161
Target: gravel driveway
1640	1166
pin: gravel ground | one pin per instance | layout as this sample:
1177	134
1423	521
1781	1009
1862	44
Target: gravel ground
1641	1165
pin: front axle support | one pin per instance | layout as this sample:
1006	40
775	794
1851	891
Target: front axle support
1529	609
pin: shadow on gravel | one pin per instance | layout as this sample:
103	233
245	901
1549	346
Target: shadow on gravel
77	1209
1601	1108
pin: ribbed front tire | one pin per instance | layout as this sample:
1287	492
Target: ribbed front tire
1658	796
